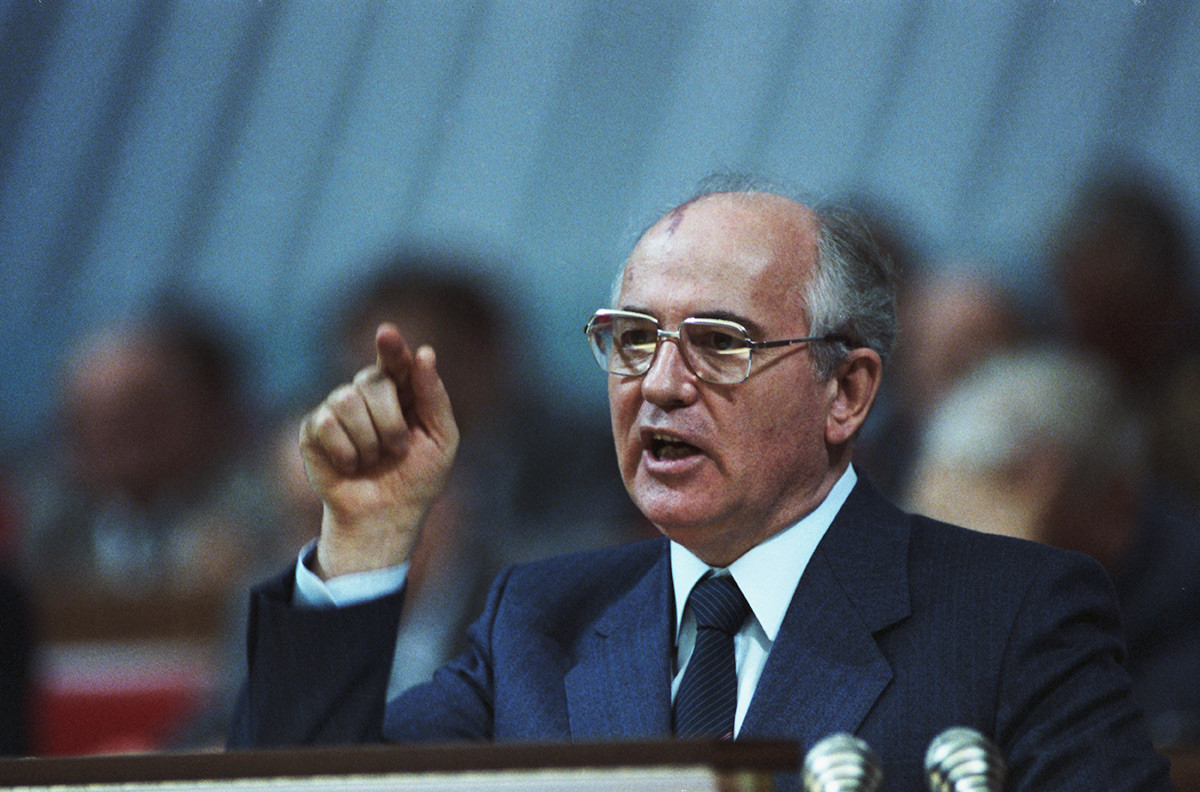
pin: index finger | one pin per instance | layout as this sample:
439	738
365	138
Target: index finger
392	355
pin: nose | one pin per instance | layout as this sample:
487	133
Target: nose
669	381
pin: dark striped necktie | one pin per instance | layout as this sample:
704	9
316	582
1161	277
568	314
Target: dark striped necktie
707	697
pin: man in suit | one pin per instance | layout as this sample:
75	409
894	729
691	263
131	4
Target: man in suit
744	353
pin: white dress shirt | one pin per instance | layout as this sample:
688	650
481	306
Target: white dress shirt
767	575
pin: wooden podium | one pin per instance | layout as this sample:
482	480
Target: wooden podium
666	766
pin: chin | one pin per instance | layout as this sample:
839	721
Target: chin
706	543
690	501
676	515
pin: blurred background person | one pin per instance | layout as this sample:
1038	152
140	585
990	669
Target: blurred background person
522	471
144	520
144	486
1039	443
1124	267
952	317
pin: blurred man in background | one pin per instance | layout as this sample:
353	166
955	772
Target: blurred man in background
952	317
513	491
1040	444
144	521
1125	268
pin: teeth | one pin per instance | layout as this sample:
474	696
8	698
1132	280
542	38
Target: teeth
665	447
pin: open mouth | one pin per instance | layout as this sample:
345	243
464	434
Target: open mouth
666	448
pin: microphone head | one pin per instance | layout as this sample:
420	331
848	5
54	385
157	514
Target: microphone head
842	763
963	760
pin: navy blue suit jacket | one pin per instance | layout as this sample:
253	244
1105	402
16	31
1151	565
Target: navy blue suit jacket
900	627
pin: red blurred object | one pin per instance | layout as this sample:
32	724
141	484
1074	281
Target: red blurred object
115	698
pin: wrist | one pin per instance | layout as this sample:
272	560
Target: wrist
365	548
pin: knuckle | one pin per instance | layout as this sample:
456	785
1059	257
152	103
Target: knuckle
343	398
366	376
321	428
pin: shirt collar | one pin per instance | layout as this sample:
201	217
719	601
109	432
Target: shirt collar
768	573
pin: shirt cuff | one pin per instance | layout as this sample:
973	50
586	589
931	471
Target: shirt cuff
312	592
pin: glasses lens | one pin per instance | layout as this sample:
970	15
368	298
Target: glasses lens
623	343
719	351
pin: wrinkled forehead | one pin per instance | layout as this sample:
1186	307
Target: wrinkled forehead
725	244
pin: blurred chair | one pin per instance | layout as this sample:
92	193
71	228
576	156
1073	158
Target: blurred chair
16	635
16	663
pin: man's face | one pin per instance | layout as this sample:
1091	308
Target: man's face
720	468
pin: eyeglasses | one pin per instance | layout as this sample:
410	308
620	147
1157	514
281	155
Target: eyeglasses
716	350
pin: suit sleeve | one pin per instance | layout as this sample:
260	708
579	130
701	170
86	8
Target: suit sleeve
315	675
1066	715
459	703
320	676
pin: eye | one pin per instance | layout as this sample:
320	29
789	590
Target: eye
712	338
722	342
635	336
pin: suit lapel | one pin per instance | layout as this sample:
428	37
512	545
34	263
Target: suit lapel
620	680
825	670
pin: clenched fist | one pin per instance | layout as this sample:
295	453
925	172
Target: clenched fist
378	451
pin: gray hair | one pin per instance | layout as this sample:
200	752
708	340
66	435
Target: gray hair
851	297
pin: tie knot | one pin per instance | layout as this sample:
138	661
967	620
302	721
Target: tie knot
717	603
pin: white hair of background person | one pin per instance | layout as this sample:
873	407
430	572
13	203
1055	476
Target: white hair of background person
1027	398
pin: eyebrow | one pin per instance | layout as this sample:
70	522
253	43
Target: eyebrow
751	326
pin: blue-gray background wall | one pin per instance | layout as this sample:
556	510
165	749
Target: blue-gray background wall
255	156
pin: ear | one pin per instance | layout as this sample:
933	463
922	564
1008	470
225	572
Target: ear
852	390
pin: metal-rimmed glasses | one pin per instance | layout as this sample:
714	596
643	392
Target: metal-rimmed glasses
717	351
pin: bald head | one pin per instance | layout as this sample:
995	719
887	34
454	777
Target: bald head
774	209
775	238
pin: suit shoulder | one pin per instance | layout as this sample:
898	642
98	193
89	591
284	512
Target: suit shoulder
935	535
953	553
609	567
559	595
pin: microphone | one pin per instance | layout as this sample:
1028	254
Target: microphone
963	760
841	763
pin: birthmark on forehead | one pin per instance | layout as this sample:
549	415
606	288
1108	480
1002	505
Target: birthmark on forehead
674	218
